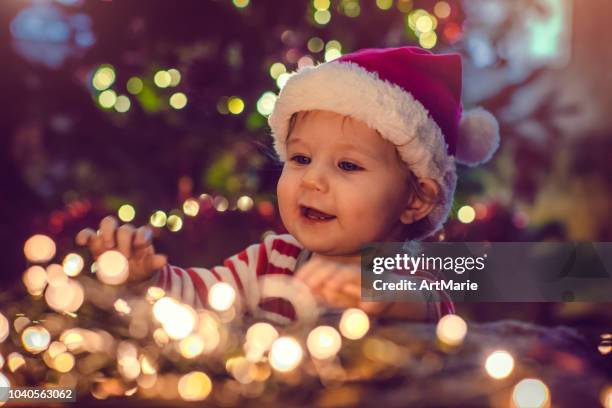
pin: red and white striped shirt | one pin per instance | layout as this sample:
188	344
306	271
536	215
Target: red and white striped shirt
276	254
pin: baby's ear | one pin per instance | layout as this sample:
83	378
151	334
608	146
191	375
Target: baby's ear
421	203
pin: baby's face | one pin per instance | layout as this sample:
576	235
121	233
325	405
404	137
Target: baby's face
342	185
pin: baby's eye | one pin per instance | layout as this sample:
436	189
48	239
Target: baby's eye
348	166
300	159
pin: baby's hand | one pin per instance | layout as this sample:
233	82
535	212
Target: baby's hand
135	244
337	285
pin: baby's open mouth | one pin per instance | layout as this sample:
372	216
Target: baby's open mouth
314	214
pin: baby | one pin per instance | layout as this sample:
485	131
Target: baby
369	143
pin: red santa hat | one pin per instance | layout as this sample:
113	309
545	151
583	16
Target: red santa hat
411	97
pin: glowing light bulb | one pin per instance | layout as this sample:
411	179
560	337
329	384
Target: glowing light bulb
354	324
65	298
162	79
4	328
178	100
530	393
103	77
112	268
324	342
451	330
191	346
39	248
285	354
499	364
221	296
191	207
178	320
158	219
56	275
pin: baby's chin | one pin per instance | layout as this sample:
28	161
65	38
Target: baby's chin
329	248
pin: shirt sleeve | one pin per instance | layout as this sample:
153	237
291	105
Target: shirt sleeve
241	271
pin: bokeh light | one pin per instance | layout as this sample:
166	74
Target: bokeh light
315	44
177	319
134	85
499	364
15	361
35	280
451	330
112	268
442	9
126	213
107	98
63	362
282	79
285	354
321	4
324	342
466	214
56	275
39	248
178	100
235	105
428	40
265	104
65	298
354	323
191	207
73	264
162	79
322	17
4	328
192	345
531	393
259	339
220	203
244	203
35	339
158	219
221	296
384	4
103	77
277	69
122	104
175	76
174	223
195	386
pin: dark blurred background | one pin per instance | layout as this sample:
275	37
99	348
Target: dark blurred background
155	111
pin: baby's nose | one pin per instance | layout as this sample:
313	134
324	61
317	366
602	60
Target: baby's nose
315	178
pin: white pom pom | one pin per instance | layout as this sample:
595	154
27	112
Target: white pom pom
478	137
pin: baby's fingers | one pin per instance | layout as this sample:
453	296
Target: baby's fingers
93	241
143	237
125	235
108	226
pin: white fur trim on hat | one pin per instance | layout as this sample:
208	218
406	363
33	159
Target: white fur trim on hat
478	137
348	89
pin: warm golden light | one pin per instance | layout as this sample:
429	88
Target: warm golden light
126	213
384	4
322	17
466	214
499	364
103	77
73	264
65	298
4	328
321	4
192	346
128	367
332	54
606	397
442	9
324	342
276	69
175	76
174	223
177	319
244	203
56	275
35	280
285	354
451	330
221	296
158	219
162	79
282	80
191	207
63	362
39	248
107	98
235	105
112	268
220	203
35	339
178	100
424	24
531	393
15	361
259	339
122	307
195	386
428	40
315	44
354	324
155	293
